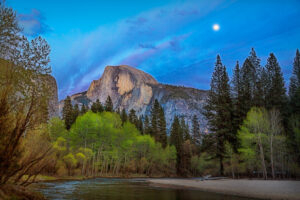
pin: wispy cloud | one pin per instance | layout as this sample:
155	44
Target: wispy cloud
34	23
136	41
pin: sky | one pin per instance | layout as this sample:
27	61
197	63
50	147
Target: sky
175	41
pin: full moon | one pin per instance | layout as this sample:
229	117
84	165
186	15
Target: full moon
216	27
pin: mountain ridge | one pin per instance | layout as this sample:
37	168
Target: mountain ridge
131	88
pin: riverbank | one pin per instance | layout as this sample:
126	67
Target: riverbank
247	188
45	178
19	192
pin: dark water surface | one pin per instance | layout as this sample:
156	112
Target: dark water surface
122	189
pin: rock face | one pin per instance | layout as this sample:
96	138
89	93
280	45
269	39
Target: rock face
128	88
53	96
131	88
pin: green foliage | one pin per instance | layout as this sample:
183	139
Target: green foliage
57	128
203	165
262	142
60	145
100	144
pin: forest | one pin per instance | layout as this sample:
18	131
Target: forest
253	124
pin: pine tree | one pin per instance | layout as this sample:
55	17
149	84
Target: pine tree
238	114
276	92
123	116
184	129
176	139
196	136
118	111
161	126
294	105
133	118
84	109
68	113
147	126
257	94
109	105
97	106
294	88
247	87
140	125
218	111
75	113
154	119
94	107
255	61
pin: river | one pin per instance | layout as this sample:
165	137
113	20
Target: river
122	189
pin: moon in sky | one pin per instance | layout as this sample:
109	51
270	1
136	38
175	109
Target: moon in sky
216	27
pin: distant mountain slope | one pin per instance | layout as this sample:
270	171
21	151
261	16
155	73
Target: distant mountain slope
131	88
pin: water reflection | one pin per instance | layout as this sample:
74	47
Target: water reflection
122	189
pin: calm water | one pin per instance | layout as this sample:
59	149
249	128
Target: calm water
122	189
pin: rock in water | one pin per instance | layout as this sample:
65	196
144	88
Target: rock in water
131	88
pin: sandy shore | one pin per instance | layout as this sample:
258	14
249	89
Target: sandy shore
248	188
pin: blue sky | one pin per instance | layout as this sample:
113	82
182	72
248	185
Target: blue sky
172	40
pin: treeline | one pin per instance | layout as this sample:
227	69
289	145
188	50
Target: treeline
147	150
104	142
186	142
254	125
99	144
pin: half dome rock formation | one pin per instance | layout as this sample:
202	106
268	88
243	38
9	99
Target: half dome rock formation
128	88
131	88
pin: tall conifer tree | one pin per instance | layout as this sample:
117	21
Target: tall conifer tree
109	107
247	87
123	116
161	125
185	129
154	119
276	92
147	126
68	113
176	139
84	109
75	113
196	135
294	88
218	111
237	98
133	118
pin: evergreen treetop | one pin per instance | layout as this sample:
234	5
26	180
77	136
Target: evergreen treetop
109	105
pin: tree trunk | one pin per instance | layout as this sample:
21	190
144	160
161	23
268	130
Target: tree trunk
271	152
232	170
221	166
262	157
